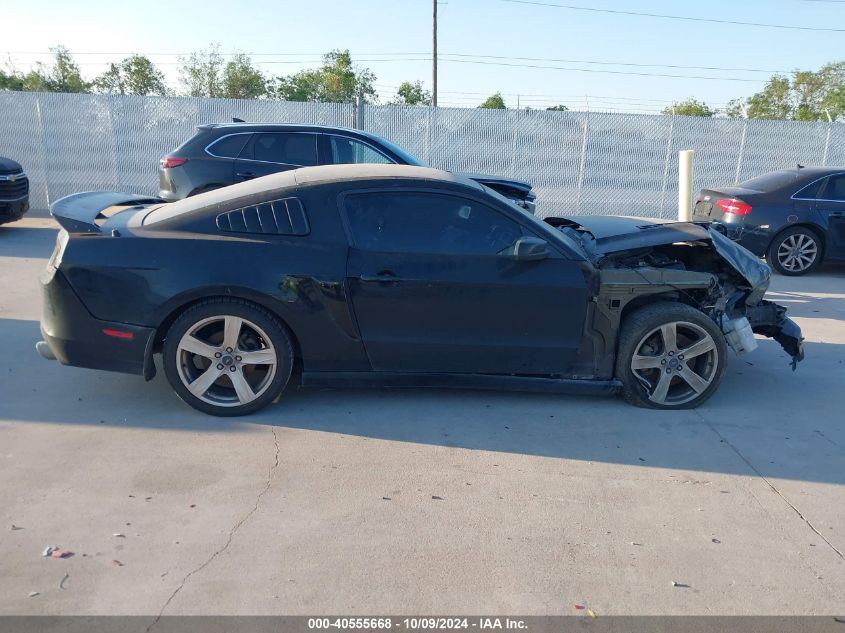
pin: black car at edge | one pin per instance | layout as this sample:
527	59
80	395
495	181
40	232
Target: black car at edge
398	276
795	218
222	154
14	191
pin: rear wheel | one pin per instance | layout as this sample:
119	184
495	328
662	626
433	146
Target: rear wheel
795	251
227	357
671	356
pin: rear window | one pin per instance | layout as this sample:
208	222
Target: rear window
287	148
771	181
811	191
228	146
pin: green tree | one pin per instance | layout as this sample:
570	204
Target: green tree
242	80
10	79
690	107
337	81
201	73
558	108
412	94
62	75
805	96
494	102
135	75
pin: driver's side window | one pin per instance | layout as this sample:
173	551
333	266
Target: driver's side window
418	222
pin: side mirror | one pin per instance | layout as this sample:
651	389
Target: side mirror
530	249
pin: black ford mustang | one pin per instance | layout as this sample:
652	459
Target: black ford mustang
398	276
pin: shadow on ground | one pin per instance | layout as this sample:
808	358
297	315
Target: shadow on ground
26	241
775	415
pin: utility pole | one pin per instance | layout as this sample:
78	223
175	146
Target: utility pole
434	53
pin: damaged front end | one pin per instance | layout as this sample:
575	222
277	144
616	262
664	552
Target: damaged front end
637	261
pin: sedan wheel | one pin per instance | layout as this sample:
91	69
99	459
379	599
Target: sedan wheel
675	363
227	357
671	356
795	252
226	361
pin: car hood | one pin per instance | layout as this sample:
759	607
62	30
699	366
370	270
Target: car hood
601	235
485	179
9	166
613	233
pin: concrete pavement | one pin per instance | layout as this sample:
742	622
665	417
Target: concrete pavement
416	501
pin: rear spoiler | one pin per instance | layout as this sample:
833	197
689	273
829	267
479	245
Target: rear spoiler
79	212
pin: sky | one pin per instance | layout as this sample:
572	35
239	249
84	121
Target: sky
594	59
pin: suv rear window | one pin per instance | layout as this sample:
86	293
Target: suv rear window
286	148
228	146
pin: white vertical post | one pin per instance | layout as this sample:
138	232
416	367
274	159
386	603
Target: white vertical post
741	145
827	140
685	185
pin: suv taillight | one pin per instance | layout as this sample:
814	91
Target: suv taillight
732	205
172	161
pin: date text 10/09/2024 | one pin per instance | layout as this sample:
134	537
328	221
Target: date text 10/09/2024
414	624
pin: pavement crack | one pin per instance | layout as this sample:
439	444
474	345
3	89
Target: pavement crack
271	470
771	485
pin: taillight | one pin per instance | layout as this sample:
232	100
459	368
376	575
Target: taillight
172	161
127	336
732	205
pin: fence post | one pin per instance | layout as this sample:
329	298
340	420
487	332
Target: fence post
666	162
358	112
43	150
827	140
583	159
741	146
685	185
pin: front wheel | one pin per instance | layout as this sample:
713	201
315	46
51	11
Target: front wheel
227	357
670	356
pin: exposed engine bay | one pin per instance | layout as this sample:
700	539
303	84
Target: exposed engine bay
641	260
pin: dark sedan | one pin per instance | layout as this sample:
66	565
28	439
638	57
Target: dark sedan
14	191
222	154
795	218
397	276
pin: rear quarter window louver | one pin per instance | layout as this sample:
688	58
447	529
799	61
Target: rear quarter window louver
279	217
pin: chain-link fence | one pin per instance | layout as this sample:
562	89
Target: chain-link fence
579	162
81	142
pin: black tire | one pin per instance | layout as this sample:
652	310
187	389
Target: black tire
641	332
221	397
781	244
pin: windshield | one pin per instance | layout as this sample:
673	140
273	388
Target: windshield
541	227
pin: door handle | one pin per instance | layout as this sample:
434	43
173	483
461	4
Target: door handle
383	276
246	175
836	214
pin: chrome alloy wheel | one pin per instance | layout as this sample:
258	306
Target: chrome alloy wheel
675	362
226	361
797	252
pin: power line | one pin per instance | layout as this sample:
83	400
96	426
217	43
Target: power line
674	17
595	70
589	61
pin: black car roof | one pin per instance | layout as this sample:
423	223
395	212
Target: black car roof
275	184
813	171
293	127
